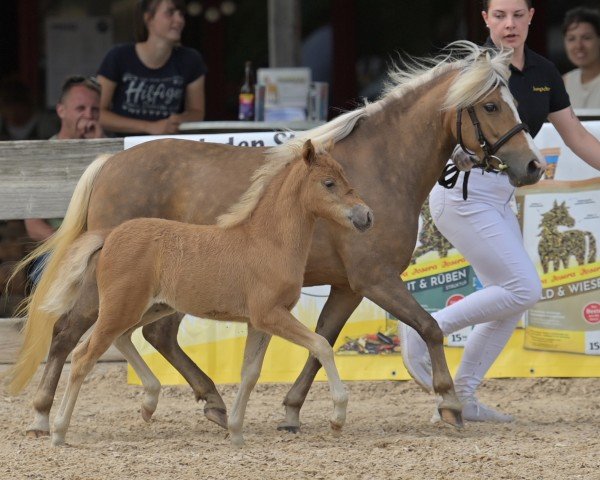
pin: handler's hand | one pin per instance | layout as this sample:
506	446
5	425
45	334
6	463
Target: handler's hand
463	161
166	126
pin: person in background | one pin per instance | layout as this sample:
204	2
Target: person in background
485	229
154	85
19	117
78	109
581	33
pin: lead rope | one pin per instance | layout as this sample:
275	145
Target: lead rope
450	176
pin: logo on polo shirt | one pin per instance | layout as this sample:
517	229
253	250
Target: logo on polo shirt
541	89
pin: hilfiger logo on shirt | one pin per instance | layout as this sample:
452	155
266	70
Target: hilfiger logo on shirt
541	89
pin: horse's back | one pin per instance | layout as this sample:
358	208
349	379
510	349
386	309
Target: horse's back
181	180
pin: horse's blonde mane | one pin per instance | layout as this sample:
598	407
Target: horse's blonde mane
480	70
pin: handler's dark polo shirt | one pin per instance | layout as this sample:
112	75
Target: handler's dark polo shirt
538	88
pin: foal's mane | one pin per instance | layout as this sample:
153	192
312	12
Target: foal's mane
480	70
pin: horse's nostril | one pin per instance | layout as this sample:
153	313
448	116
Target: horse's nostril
534	166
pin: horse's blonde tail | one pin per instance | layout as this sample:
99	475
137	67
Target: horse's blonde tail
37	331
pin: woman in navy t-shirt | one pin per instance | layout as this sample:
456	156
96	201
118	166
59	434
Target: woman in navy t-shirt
154	85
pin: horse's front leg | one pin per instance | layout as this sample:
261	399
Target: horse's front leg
385	288
338	308
162	334
282	323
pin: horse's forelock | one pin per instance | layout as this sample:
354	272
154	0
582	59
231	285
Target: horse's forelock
482	69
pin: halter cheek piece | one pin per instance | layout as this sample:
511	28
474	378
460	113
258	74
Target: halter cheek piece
451	172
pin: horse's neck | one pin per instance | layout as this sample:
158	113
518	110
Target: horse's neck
281	215
410	137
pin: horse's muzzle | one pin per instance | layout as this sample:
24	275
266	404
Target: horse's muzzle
361	217
534	171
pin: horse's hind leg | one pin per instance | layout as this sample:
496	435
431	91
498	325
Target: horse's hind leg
67	332
162	334
254	354
338	308
149	380
282	323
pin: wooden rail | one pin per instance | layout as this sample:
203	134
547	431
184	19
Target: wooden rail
10	342
37	177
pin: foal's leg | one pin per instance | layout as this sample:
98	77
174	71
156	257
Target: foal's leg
162	334
254	354
282	323
84	358
120	312
338	308
149	380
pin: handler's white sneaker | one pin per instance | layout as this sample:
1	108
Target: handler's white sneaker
415	356
475	411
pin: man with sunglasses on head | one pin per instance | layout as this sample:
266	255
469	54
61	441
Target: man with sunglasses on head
78	109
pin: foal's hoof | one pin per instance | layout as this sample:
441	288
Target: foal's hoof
451	416
288	428
37	433
217	415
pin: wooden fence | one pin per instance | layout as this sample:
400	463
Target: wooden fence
37	179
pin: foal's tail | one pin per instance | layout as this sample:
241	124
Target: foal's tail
37	332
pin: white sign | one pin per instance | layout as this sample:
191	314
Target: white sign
249	139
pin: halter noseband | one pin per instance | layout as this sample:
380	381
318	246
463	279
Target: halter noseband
488	150
451	172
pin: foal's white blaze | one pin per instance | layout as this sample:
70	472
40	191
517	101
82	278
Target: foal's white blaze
509	99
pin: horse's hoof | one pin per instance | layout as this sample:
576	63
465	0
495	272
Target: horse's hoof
217	415
58	441
452	417
147	414
289	428
237	441
37	433
336	428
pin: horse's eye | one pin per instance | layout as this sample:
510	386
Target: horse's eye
329	183
490	107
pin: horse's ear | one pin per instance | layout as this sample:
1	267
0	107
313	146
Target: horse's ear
329	145
308	153
555	204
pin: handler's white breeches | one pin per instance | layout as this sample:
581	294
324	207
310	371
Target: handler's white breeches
486	232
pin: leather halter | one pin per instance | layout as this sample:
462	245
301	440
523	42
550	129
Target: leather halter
488	150
450	174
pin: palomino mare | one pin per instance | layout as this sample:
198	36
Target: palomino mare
249	267
393	150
